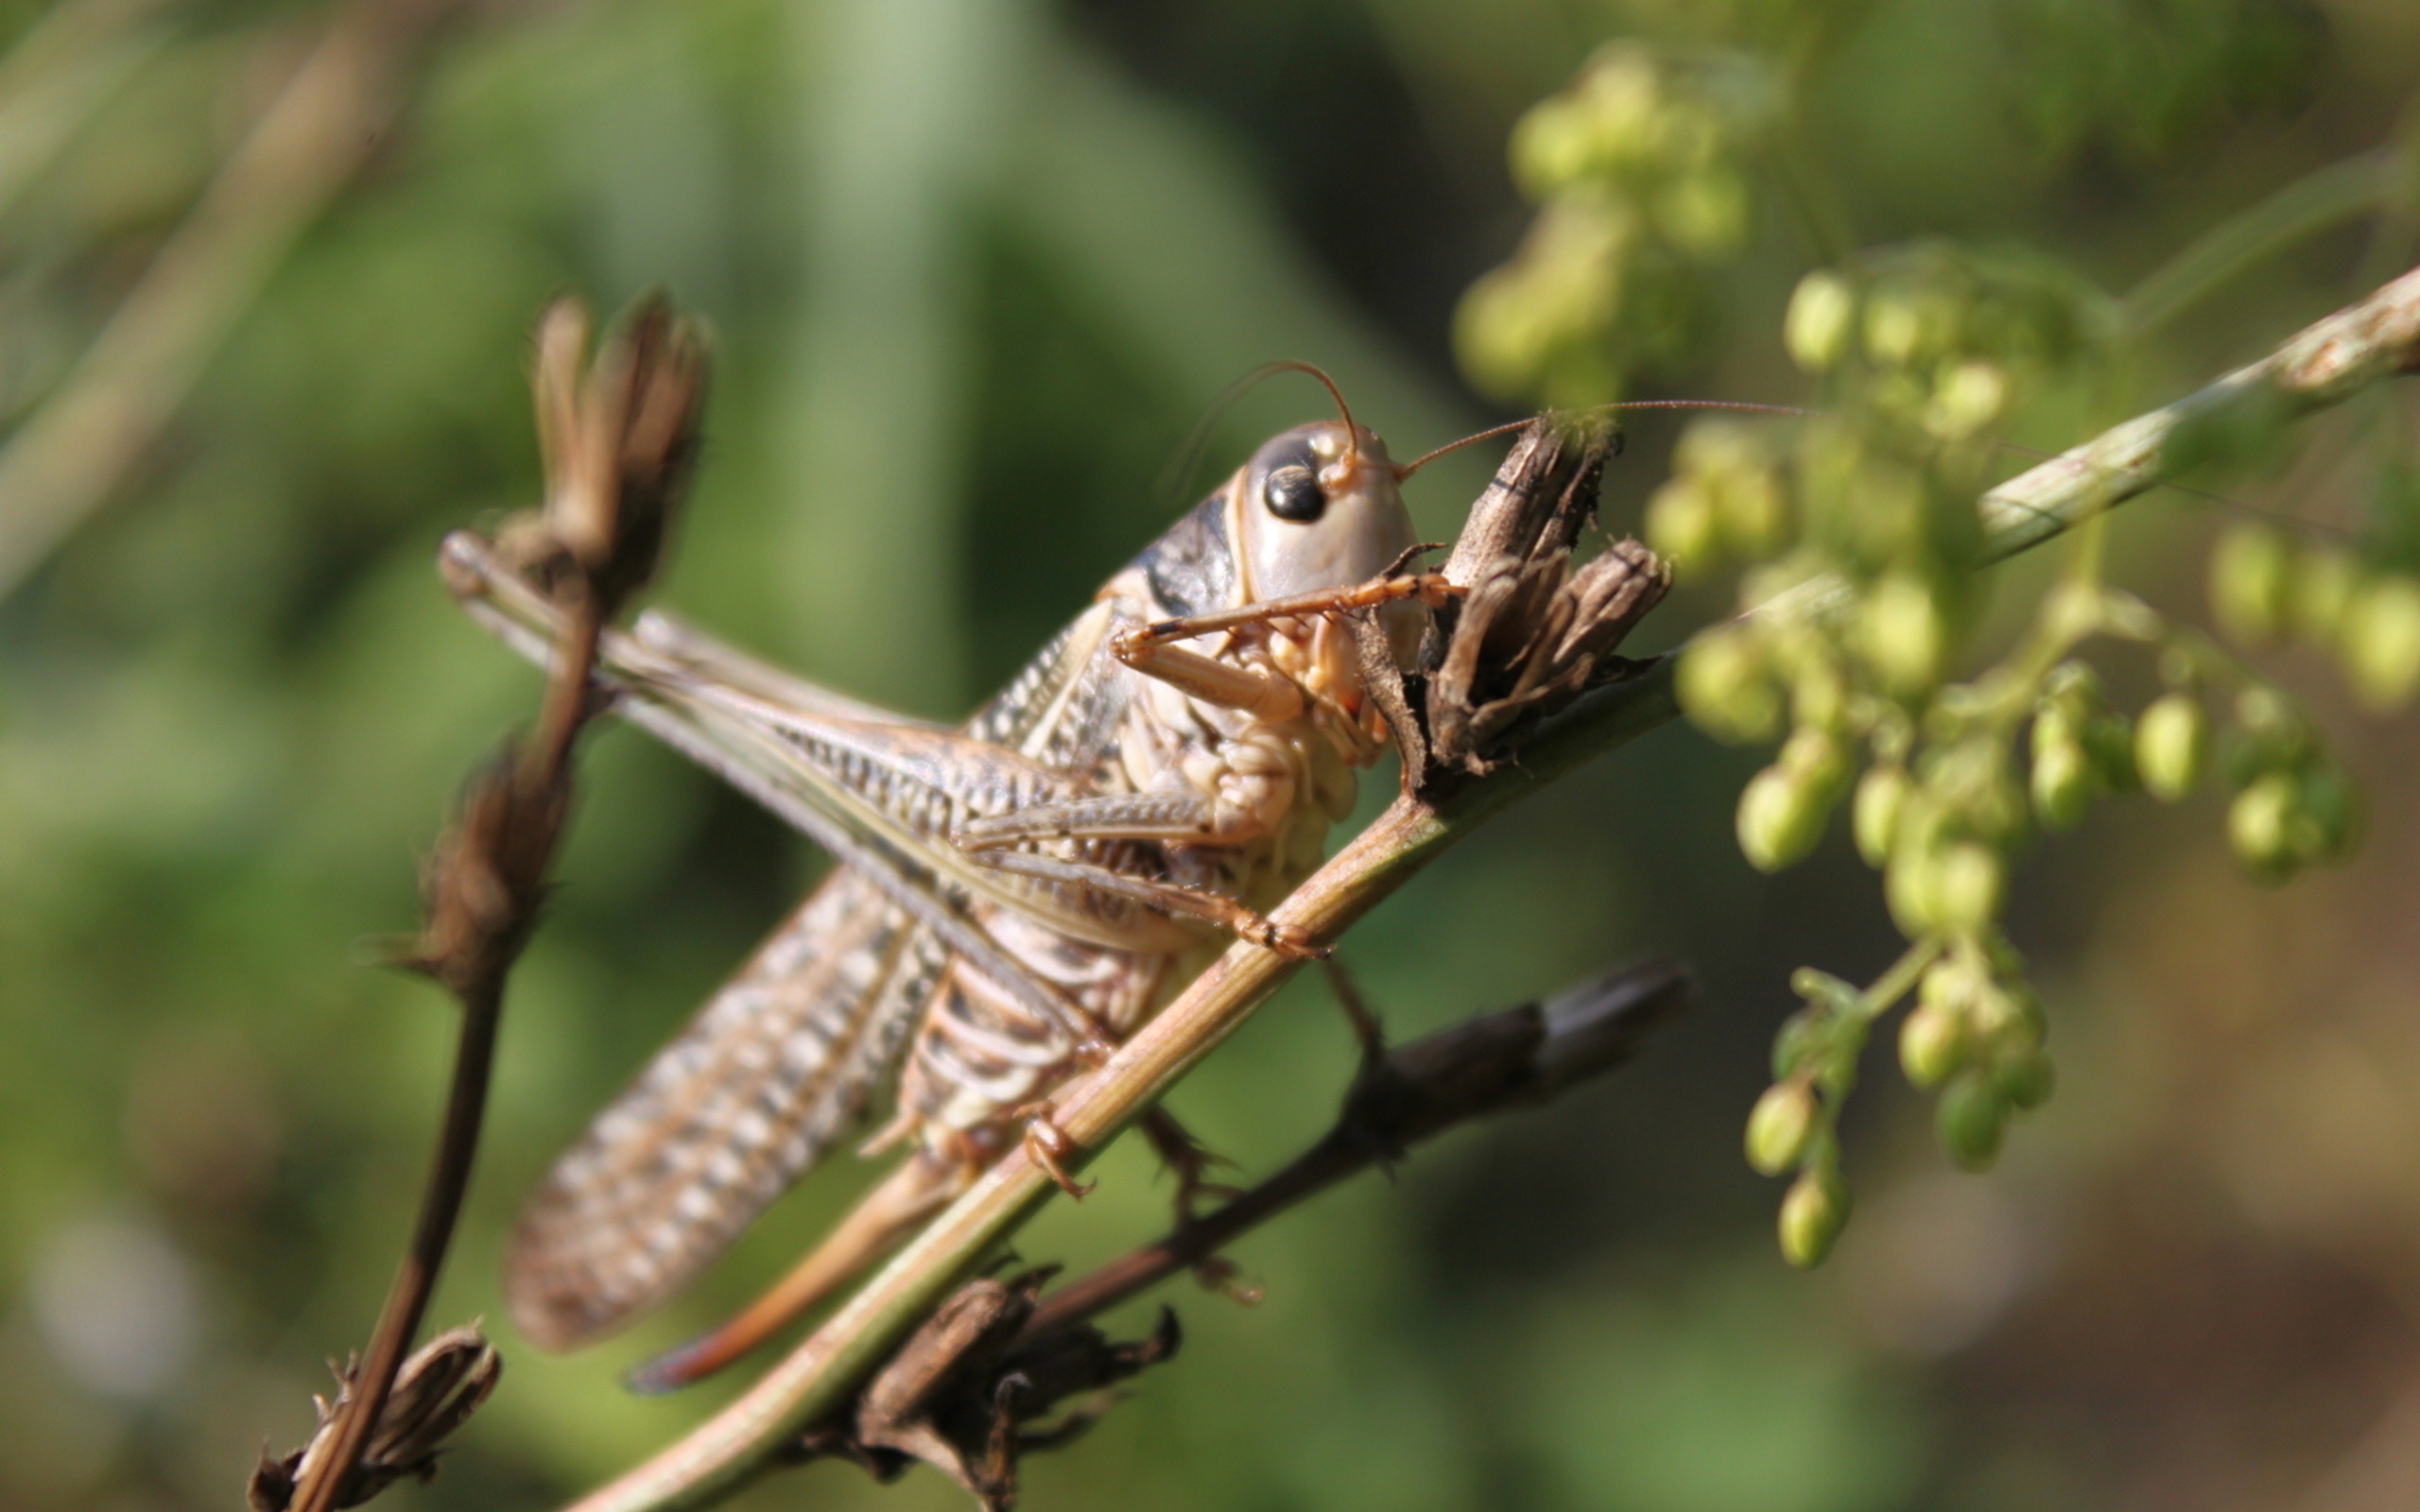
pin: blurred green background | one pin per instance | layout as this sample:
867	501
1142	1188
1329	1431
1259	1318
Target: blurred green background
976	268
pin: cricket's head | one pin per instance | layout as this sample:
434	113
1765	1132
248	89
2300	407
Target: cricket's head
1318	506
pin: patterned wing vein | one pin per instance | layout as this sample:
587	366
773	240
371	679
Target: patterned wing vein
776	1068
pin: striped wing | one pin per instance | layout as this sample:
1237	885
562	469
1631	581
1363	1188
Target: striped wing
782	1063
776	1068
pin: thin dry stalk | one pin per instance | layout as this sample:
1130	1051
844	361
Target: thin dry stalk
619	449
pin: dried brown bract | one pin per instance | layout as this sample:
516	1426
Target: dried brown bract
435	1392
1530	634
961	1395
620	440
482	888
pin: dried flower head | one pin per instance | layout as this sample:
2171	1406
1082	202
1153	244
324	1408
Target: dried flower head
435	1392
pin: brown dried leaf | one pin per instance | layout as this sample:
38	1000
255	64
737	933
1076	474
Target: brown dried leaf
962	1393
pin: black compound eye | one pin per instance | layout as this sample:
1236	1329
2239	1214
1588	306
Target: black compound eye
1294	492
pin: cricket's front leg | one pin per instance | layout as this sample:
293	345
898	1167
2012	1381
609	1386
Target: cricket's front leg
1150	649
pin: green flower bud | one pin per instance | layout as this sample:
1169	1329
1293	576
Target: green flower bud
1950	984
1816	331
2180	668
2012	1025
1783	808
1706	213
2055	723
1966	886
1503	333
1911	888
1972	1117
2250	583
1819	695
1812	1215
2025	1080
1780	1126
1880	795
1803	1033
1724	686
1932	1043
2171	744
1967	396
1683	523
2063	782
1553	144
2321	588
2325	811
1717	448
2260	827
2382	641
1906	639
1750	502
1972	782
1894	327
1823	990
2109	742
2073	688
1781	817
1818	757
2269	735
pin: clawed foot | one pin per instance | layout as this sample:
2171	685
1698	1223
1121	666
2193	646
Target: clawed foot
1284	940
1050	1148
1188	1159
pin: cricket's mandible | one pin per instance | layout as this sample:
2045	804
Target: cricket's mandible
1013	896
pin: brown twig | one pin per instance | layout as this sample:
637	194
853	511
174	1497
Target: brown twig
618	453
1518	1057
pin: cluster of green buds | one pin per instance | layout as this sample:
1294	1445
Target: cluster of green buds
1639	169
1975	1036
2265	589
2292	806
1954	783
1938	338
1854	535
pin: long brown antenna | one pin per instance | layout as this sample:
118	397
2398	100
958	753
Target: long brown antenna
1406	470
1351	432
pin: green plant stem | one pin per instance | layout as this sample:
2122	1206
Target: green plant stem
2358	346
2321	366
1895	984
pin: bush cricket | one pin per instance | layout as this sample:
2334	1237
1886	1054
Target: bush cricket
1013	895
